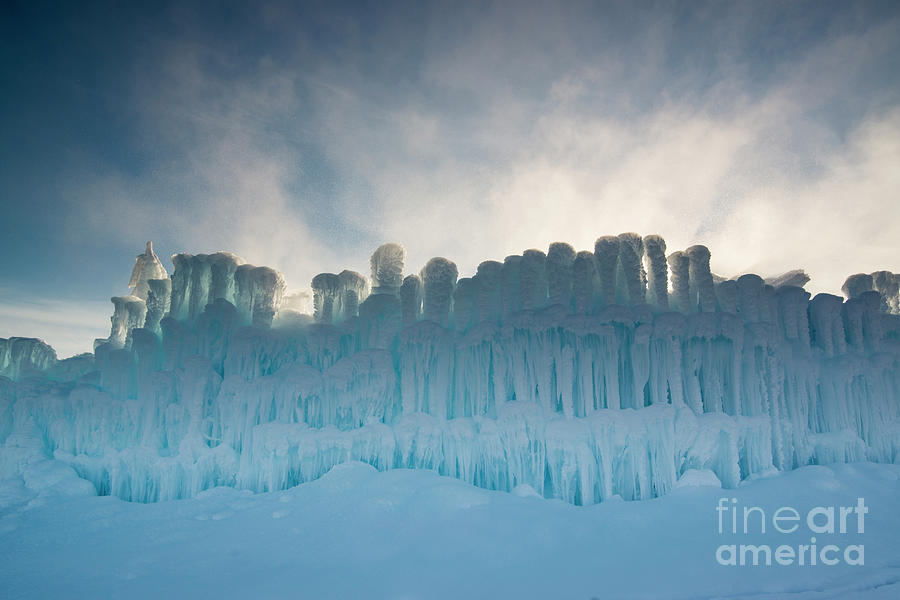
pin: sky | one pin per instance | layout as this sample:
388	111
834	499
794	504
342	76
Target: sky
303	135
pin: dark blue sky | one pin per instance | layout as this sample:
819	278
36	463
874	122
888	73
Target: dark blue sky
302	136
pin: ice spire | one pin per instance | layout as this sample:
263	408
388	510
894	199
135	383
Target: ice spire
146	267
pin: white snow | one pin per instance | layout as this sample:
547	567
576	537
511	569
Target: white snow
359	533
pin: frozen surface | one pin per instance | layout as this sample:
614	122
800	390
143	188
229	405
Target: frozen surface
358	533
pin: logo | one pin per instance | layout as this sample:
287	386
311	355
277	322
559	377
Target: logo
824	524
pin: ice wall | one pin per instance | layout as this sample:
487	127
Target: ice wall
20	357
528	372
129	313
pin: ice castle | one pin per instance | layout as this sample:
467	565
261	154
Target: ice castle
584	375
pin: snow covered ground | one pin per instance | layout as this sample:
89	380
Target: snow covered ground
403	534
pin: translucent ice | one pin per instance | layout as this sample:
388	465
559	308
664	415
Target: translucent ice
631	281
387	268
657	272
700	279
560	258
130	312
439	279
606	252
533	279
679	268
24	356
146	267
526	375
411	299
584	274
490	290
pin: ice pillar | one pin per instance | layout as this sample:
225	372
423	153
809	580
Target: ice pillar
630	277
584	272
325	288
439	278
679	265
129	313
703	297
387	268
352	289
411	299
657	271
606	251
490	290
158	298
560	258
534	279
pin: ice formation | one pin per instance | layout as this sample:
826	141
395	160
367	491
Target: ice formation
130	313
159	298
679	268
657	273
560	259
21	357
490	290
576	374
887	285
411	299
439	281
325	292
796	278
146	267
387	268
700	281
631	279
606	251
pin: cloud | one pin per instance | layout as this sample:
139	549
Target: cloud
223	175
458	141
763	174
